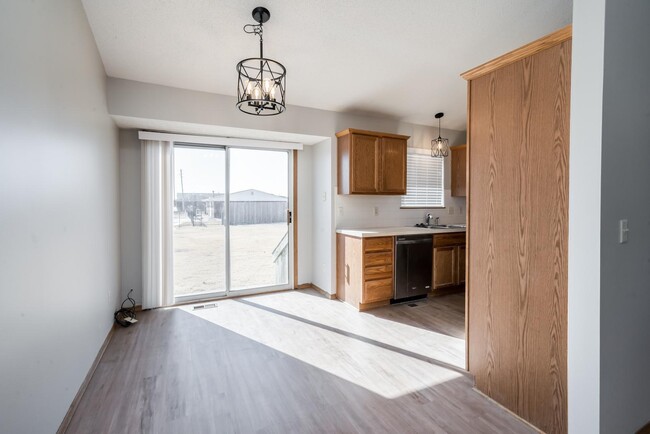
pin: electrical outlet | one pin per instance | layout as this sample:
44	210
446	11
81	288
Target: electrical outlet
450	210
375	210
340	211
323	196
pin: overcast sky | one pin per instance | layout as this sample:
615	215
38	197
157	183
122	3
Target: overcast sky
204	170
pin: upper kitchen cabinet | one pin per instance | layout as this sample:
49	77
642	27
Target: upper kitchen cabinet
371	163
459	170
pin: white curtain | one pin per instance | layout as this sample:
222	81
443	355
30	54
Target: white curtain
157	213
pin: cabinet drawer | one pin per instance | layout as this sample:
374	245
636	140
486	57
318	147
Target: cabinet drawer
378	272
377	290
453	239
378	244
383	258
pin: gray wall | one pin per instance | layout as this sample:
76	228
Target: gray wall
59	228
130	215
625	268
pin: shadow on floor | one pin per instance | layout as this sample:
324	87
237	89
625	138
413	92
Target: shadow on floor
355	336
443	314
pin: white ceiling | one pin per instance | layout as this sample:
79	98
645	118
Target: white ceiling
400	59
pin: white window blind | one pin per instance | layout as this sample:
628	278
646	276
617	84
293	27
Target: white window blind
424	181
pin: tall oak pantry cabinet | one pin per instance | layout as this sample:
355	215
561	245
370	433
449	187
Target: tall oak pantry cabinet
518	156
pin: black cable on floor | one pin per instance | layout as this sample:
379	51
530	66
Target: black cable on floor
125	316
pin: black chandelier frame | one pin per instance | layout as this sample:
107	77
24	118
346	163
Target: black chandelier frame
261	82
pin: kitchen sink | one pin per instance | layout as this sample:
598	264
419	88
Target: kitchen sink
448	226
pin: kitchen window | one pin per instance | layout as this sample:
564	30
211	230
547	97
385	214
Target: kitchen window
424	180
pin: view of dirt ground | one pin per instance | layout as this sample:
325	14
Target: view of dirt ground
199	255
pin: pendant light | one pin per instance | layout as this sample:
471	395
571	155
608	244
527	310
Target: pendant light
261	82
439	146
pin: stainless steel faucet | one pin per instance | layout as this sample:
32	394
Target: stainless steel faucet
427	220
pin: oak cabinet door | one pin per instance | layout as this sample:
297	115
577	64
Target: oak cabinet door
461	250
459	171
444	266
364	162
393	166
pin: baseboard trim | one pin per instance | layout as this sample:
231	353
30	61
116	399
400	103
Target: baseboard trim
321	290
82	389
508	410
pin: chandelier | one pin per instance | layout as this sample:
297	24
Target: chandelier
261	82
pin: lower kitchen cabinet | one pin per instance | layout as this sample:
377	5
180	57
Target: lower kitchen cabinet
364	271
448	260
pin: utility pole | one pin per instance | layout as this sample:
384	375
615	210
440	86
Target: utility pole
182	199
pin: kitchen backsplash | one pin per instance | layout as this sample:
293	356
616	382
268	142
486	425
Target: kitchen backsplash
359	211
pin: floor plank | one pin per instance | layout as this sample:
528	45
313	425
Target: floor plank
290	362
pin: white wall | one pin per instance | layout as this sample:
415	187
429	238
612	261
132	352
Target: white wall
180	110
323	239
583	356
625	268
59	226
305	214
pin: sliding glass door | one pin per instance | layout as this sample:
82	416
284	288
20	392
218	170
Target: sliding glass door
199	230
259	235
231	221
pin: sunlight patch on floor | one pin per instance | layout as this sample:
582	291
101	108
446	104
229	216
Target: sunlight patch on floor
387	367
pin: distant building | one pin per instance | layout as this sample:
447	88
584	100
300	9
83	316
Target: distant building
247	207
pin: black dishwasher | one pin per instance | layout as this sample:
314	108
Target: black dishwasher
413	266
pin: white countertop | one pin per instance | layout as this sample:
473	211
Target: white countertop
394	231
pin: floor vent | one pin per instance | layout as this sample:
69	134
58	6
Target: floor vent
205	306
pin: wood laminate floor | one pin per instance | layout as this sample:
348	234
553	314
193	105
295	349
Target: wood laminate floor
290	362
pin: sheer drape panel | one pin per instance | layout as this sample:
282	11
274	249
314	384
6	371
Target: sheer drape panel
157	212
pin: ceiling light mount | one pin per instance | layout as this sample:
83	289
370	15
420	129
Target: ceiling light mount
261	14
439	146
261	82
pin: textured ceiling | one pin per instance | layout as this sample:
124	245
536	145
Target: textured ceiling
400	59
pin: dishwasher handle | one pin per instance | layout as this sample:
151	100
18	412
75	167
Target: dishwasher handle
402	242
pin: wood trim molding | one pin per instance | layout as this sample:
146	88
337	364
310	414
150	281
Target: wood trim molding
468	192
371	133
533	427
318	289
527	50
373	305
82	389
295	216
322	291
